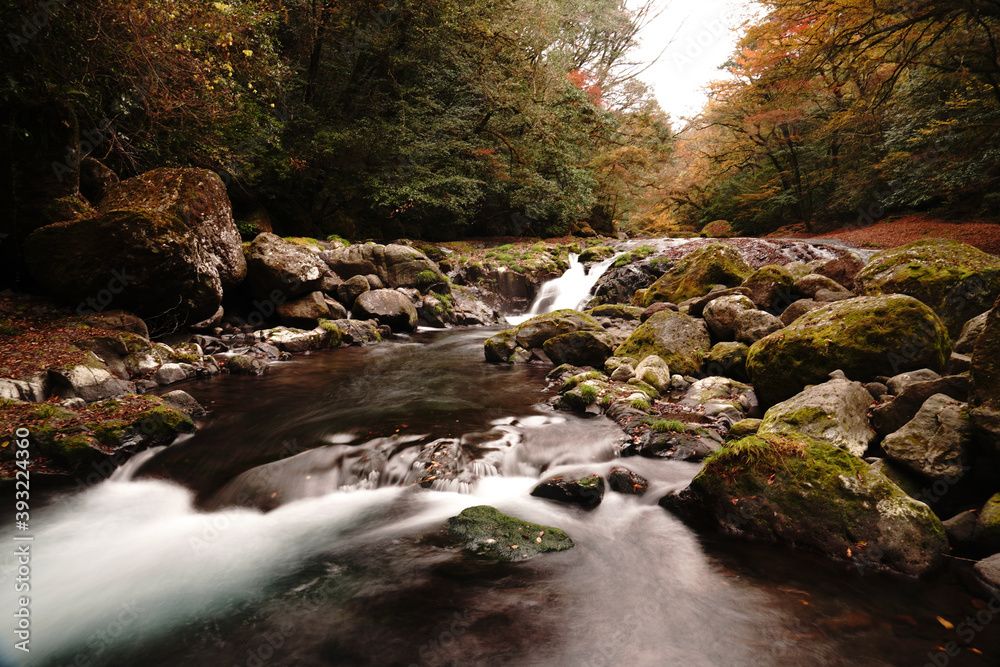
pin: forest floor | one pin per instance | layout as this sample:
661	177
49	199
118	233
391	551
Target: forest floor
900	231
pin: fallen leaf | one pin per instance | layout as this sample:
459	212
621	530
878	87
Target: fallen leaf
947	624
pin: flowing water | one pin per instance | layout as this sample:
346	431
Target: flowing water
570	290
292	530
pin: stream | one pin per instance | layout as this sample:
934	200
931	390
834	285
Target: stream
291	531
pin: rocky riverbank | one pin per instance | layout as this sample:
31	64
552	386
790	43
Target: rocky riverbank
840	406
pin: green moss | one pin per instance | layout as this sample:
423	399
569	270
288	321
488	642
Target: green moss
488	533
576	380
644	387
588	392
303	241
8	328
668	426
694	275
642	252
333	238
640	404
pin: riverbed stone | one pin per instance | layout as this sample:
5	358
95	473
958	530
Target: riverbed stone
987	534
797	309
841	269
985	379
627	482
956	280
697	272
809	285
970	334
654	371
728	359
866	337
533	333
242	364
681	341
91	382
795	490
835	412
988	573
486	532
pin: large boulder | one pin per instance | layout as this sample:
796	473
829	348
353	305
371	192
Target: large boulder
985	375
865	337
388	307
679	340
304	312
580	348
163	246
842	269
809	494
936	442
752	325
279	270
197	197
489	533
835	412
697	272
408	267
966	342
891	416
956	280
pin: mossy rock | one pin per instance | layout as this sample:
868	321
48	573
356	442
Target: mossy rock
770	287
865	337
956	280
987	535
488	533
697	272
985	375
814	496
679	340
743	428
616	311
596	253
532	334
728	359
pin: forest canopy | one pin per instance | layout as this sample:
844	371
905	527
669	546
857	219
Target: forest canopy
433	118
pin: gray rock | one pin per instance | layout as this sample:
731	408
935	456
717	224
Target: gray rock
299	340
388	307
797	309
580	348
374	281
841	269
935	442
835	412
752	325
900	382
958	364
185	402
809	285
988	573
697	305
279	270
893	415
623	373
242	364
829	296
970	334
304	312
34	389
961	529
678	339
654	371
173	373
92	382
351	289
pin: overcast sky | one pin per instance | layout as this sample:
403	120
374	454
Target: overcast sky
703	34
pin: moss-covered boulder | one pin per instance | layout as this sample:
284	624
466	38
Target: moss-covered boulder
532	334
811	495
770	287
987	532
728	359
486	532
109	430
280	270
718	229
679	340
835	412
580	348
697	272
865	337
955	279
387	306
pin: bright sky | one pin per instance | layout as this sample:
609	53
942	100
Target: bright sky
704	34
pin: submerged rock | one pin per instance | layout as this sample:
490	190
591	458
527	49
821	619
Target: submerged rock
811	495
488	533
587	492
865	337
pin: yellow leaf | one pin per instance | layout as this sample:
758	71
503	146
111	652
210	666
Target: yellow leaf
247	52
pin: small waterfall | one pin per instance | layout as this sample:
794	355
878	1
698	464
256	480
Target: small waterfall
570	290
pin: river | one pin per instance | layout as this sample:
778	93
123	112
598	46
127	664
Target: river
289	531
